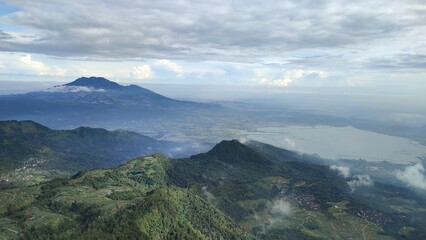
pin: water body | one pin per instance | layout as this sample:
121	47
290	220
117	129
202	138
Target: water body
341	143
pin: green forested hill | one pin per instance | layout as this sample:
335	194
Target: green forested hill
230	192
30	152
132	201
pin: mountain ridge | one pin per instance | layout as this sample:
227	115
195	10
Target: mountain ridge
31	152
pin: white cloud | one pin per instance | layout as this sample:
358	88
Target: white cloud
349	39
289	143
63	88
278	212
413	176
342	170
287	78
281	208
200	29
40	68
360	181
208	195
284	81
171	66
141	72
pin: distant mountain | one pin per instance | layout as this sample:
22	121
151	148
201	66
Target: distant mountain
30	152
95	83
98	90
96	101
230	192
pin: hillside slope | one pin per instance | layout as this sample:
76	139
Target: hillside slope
131	201
30	152
230	192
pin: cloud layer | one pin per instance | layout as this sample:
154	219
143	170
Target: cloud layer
205	30
309	42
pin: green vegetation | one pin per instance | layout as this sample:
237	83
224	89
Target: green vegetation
130	201
31	153
230	192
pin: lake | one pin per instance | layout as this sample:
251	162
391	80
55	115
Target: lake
341	143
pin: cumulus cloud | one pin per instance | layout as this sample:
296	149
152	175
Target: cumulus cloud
413	176
141	72
342	170
360	181
284	81
289	77
41	68
171	66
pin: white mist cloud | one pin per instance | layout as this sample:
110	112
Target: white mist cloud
171	66
413	176
141	72
208	195
289	143
342	170
360	181
288	77
40	68
281	208
284	81
63	88
277	212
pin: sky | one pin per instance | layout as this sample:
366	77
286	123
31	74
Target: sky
272	44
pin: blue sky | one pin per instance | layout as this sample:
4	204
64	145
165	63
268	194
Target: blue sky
275	44
6	9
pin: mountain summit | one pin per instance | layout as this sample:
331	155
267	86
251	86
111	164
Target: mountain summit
94	82
234	152
100	84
